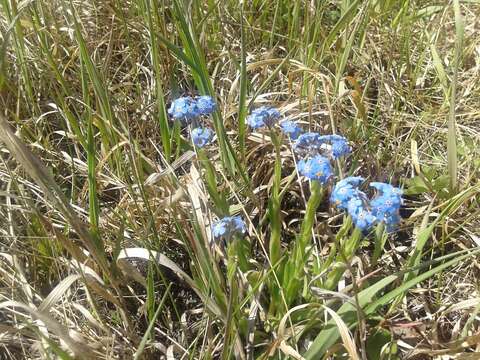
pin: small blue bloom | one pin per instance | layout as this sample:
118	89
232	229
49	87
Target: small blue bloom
311	143
315	168
263	116
345	190
308	143
184	108
340	148
362	217
338	145
386	205
206	105
201	136
228	227
219	228
386	188
291	129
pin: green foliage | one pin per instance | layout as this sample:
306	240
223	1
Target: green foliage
92	166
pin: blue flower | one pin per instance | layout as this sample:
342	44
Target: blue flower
338	145
362	217
263	116
201	136
315	168
291	129
308	143
184	108
311	143
345	190
206	105
228	227
340	148
386	205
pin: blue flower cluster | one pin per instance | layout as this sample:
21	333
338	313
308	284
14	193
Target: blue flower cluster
291	129
311	143
206	105
263	116
201	136
314	151
345	190
366	213
187	108
387	204
315	168
228	227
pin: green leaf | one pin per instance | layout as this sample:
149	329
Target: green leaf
329	334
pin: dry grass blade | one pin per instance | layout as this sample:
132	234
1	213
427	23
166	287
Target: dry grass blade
42	177
165	261
79	349
347	338
56	294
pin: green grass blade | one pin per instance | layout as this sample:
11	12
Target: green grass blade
162	117
151	324
330	335
452	157
242	106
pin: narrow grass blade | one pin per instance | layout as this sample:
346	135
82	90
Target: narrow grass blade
452	133
43	178
330	334
242	107
155	54
146	336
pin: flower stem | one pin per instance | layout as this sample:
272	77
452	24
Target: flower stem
344	256
274	205
221	204
293	272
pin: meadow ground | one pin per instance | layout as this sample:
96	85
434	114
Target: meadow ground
106	207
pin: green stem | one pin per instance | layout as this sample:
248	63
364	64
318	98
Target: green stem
221	204
293	279
274	205
380	239
345	255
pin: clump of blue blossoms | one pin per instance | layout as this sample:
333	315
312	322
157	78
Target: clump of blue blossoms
312	143
206	105
307	144
338	145
187	108
184	109
263	116
228	227
315	168
346	190
201	136
386	206
362	216
291	129
365	213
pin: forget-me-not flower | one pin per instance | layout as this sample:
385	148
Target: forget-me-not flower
184	109
386	205
365	213
345	190
362	217
201	136
338	145
312	143
307	144
316	168
206	105
228	227
291	129
263	116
